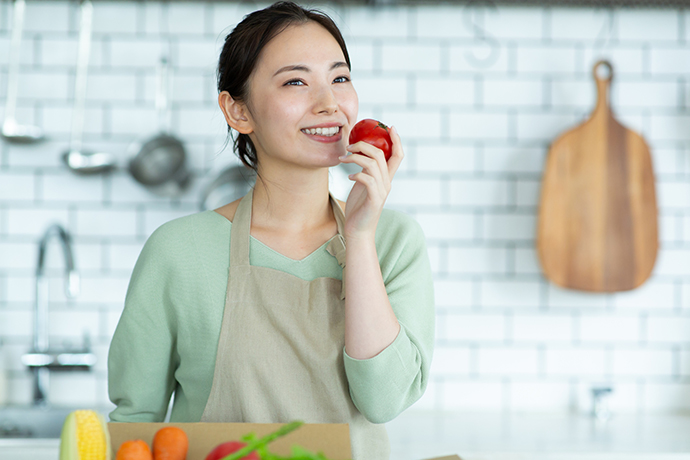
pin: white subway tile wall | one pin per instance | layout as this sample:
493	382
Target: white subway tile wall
477	95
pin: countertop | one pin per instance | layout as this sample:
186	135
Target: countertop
418	435
498	436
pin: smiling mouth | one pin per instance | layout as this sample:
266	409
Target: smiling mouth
328	132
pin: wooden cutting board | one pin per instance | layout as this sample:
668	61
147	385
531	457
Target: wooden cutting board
597	227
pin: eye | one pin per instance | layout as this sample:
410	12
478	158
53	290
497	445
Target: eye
342	79
294	83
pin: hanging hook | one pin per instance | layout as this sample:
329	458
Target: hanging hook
481	34
606	29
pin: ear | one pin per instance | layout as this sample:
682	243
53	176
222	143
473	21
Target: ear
236	113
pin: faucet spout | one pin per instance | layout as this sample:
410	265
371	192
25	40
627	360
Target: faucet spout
73	284
72	277
40	341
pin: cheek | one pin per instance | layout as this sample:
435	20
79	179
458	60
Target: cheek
279	110
349	104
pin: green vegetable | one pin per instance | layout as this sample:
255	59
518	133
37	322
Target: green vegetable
262	442
259	445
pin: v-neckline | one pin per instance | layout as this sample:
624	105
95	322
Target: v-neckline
273	250
291	259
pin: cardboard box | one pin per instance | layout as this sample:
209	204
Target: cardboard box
332	439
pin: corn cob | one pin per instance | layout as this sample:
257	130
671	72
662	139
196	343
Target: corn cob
85	437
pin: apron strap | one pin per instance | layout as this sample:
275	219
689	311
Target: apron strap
336	247
239	232
241	227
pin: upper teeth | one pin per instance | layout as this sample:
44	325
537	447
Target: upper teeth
323	131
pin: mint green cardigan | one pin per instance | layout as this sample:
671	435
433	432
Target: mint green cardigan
167	337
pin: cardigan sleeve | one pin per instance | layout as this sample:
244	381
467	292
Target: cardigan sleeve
385	385
141	359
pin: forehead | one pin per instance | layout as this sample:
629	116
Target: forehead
301	43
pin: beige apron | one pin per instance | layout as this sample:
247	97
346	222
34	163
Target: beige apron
280	352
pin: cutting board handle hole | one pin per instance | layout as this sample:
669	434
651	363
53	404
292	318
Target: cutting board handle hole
603	70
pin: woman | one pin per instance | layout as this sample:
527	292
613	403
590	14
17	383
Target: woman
246	312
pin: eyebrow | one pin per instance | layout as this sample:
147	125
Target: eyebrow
304	68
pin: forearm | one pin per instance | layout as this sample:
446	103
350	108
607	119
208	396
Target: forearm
370	323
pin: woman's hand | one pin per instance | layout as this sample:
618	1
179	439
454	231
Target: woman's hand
367	197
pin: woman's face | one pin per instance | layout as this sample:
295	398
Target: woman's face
300	83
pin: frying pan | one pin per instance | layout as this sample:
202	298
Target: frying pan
159	163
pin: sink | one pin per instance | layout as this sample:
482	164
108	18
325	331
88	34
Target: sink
34	422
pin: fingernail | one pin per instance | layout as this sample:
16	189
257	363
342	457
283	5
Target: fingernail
342	157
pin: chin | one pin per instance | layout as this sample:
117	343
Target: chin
331	156
330	161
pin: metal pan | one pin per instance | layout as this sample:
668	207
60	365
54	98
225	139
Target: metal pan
230	184
159	163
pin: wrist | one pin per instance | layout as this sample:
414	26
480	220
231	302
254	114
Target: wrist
360	239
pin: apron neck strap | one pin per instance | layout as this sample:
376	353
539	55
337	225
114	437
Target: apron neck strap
241	228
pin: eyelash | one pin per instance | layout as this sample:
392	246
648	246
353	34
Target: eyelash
288	83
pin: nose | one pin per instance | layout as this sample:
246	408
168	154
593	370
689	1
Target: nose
326	102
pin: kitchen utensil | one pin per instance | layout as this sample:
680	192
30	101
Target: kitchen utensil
77	160
12	131
597	227
601	410
159	162
232	183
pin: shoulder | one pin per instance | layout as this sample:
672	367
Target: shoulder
398	235
228	210
175	241
400	245
179	229
394	225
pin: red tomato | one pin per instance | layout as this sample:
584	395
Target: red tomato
372	132
227	448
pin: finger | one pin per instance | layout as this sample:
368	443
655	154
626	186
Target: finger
365	149
371	184
397	153
369	165
372	152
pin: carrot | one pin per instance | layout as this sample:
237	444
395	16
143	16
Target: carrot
134	450
170	443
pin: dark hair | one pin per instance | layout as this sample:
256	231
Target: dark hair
243	46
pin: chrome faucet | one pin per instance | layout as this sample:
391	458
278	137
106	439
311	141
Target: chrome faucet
42	358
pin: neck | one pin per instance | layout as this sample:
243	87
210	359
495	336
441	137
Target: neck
292	203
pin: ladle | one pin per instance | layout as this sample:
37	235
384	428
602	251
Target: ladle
12	131
76	159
